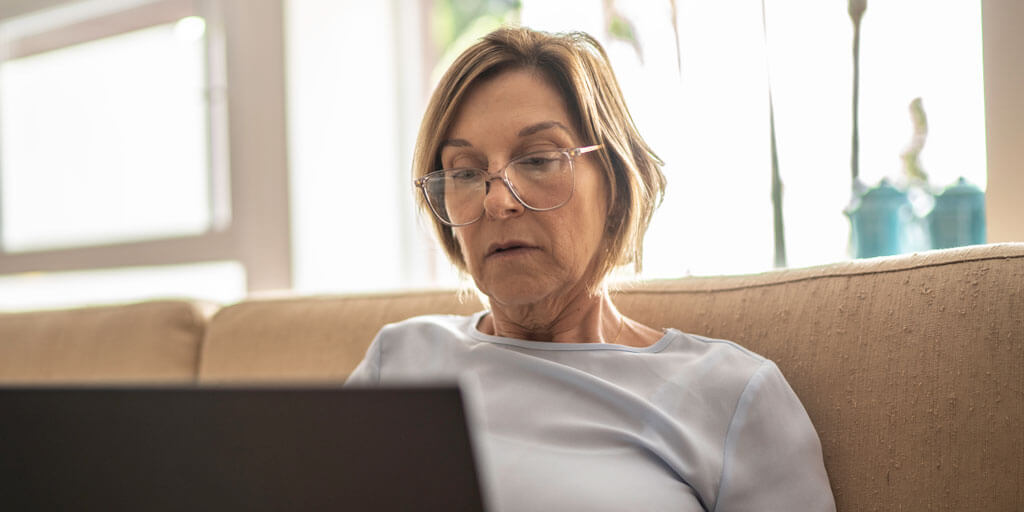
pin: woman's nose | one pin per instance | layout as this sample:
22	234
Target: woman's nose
499	202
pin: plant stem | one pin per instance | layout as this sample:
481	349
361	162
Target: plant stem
855	142
780	234
777	220
675	31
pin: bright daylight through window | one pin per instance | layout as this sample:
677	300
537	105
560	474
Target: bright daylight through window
106	141
109	136
704	110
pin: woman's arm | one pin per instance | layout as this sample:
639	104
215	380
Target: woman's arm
773	457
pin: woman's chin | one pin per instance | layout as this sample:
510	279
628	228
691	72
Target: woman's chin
517	292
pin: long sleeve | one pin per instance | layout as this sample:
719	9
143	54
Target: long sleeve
773	458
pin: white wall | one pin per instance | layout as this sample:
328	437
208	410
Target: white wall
1004	118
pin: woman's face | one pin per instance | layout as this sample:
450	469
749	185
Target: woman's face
544	254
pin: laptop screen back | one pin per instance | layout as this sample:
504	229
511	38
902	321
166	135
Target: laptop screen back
235	449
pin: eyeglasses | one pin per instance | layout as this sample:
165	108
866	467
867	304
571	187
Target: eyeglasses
540	181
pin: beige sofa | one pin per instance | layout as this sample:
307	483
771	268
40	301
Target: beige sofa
911	367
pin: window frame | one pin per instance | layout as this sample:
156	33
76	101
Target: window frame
247	155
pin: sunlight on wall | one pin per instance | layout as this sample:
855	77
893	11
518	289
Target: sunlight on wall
352	124
343	152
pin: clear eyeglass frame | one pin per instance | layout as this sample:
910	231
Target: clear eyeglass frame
570	153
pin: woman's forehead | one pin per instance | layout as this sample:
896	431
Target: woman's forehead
549	128
517	103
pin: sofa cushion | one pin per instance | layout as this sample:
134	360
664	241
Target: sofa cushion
308	338
146	342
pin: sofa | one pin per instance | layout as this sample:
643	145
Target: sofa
911	367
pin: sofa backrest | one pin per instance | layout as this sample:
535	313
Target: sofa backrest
149	342
911	367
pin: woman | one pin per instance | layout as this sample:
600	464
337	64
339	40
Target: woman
539	186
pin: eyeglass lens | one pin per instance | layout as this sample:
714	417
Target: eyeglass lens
540	181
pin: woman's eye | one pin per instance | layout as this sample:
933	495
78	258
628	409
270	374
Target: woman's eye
464	175
538	163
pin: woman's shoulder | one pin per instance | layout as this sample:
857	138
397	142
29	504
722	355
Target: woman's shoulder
415	348
426	333
679	341
699	344
418	325
694	354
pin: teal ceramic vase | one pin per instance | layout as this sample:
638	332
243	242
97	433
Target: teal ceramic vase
878	220
958	217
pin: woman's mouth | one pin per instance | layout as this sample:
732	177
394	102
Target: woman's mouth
511	248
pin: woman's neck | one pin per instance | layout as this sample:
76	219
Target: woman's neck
589	318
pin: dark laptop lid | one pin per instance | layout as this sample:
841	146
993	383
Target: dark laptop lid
235	449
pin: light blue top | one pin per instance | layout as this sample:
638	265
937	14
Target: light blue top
689	423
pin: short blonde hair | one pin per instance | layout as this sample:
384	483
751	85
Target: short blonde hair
577	66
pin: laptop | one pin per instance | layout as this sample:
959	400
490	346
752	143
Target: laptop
319	448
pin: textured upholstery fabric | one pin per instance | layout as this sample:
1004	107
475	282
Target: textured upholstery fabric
910	367
146	342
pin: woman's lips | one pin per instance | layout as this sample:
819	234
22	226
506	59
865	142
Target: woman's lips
506	249
508	253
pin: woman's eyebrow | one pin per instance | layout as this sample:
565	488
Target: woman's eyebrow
458	142
462	143
534	128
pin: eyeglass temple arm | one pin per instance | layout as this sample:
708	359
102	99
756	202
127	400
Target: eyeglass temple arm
586	149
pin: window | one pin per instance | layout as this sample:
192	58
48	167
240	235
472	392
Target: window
106	140
114	125
705	111
336	209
